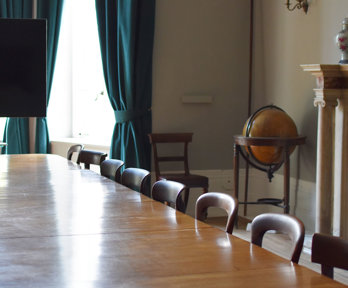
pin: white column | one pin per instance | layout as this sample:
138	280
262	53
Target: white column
340	214
325	154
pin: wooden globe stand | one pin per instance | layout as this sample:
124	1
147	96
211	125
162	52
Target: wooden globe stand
286	144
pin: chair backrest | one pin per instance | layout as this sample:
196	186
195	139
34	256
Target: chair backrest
284	223
220	200
169	193
111	168
329	251
135	179
74	149
156	138
88	157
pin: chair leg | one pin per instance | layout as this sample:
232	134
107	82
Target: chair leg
181	204
327	271
205	190
186	198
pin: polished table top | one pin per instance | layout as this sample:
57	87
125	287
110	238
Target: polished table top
66	227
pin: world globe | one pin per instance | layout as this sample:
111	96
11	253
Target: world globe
269	121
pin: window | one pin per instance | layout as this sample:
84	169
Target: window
79	105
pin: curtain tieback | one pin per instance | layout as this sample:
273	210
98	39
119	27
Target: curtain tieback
127	115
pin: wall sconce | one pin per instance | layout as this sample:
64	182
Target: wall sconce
300	4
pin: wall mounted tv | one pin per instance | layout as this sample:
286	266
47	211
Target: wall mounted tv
22	67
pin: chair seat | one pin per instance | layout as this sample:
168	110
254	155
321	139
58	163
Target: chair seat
190	181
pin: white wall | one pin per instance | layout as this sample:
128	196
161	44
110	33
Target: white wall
201	48
283	41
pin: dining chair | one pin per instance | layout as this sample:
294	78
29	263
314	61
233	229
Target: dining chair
284	223
329	251
220	200
169	193
186	178
111	168
136	179
90	157
74	149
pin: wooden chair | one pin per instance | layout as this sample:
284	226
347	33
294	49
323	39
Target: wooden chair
330	252
74	149
186	178
169	193
111	168
88	157
136	179
290	225
220	200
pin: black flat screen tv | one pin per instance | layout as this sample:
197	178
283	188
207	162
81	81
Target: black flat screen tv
22	67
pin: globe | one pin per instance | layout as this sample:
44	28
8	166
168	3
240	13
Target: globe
269	121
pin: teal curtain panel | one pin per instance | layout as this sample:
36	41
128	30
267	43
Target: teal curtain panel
52	11
16	133
16	9
126	32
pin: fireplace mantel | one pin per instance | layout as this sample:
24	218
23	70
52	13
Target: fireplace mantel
331	98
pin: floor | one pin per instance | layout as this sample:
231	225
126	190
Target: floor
280	244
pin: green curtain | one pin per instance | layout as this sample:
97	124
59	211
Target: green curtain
52	11
16	133
126	31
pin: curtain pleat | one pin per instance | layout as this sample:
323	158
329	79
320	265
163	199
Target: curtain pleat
126	31
52	11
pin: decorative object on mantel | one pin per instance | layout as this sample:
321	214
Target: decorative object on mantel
342	41
301	4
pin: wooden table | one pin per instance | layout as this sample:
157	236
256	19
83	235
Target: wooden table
65	227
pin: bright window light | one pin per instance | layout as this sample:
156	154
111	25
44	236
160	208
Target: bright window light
79	106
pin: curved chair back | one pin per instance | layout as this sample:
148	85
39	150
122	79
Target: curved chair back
88	157
290	225
168	192
135	179
329	251
111	168
219	200
74	149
